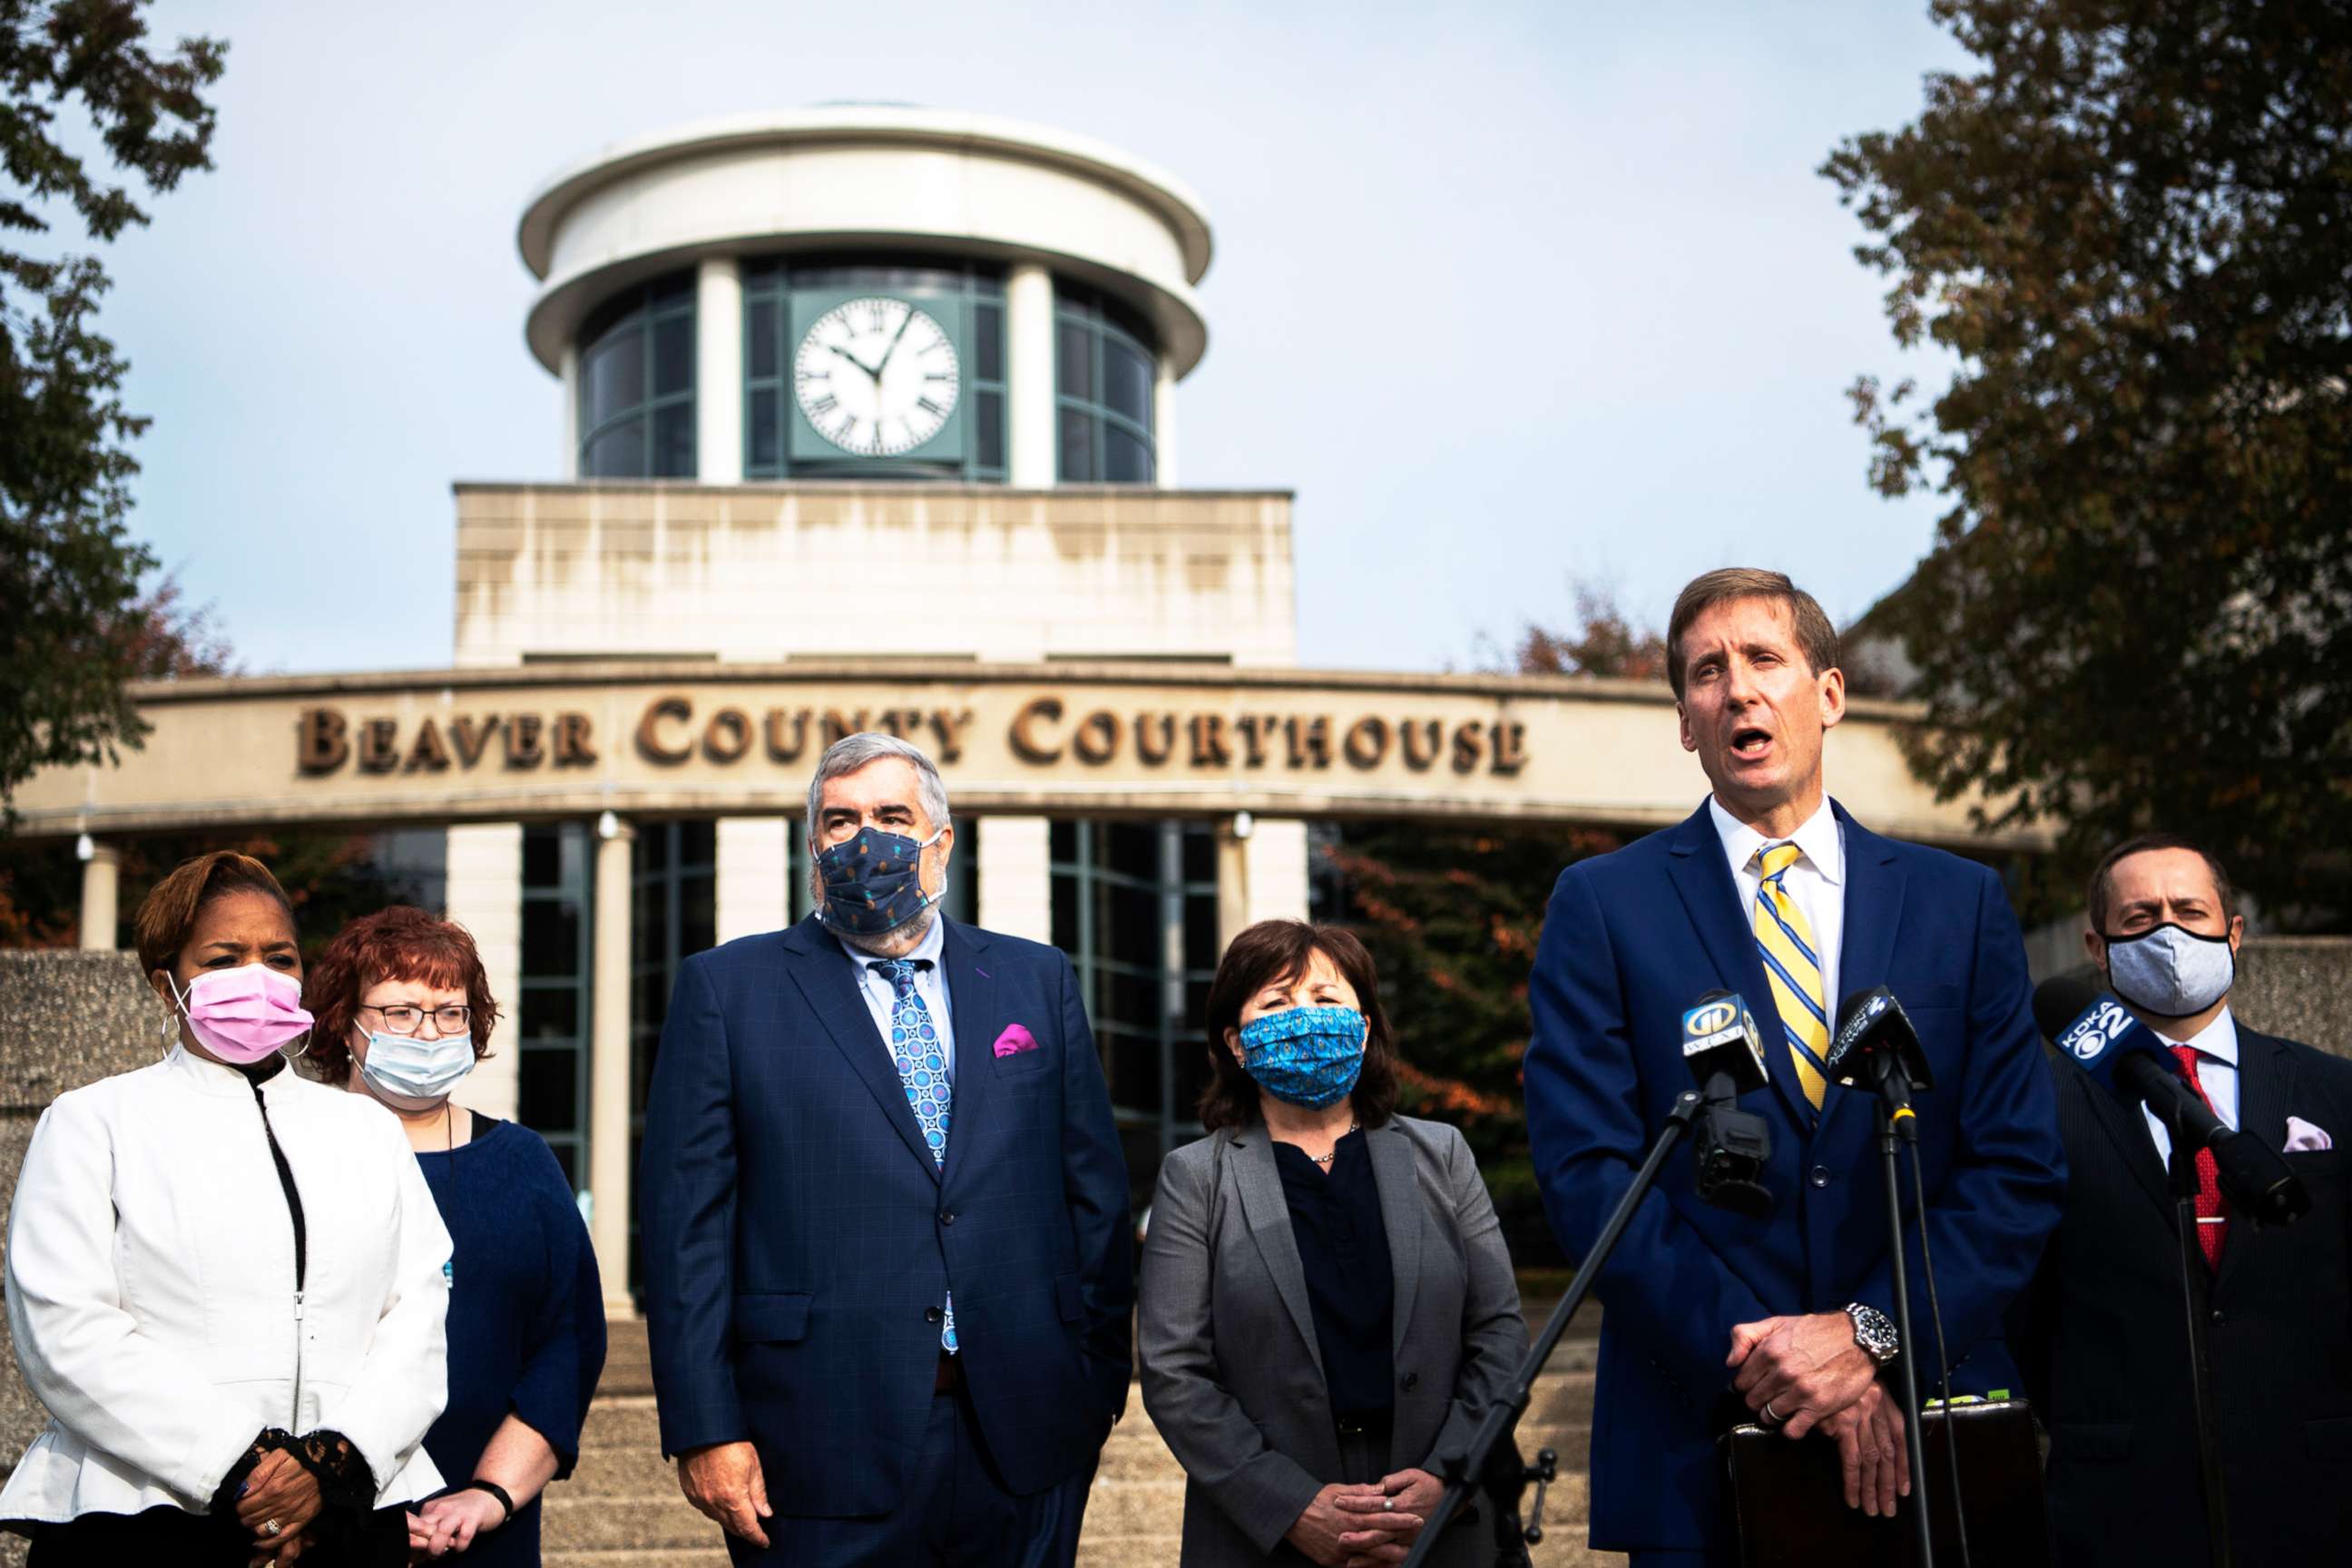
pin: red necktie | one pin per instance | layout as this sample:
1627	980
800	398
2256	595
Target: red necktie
2213	1217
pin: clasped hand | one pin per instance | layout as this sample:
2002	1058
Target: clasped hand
279	1492
1366	1525
1813	1374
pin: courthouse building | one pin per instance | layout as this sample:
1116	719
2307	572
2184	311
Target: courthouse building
871	421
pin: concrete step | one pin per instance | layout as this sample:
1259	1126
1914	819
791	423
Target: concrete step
647	1522
632	1557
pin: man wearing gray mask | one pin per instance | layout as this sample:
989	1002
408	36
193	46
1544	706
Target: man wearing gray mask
2100	1338
885	1213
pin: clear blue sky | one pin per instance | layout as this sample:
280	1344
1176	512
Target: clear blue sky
1510	295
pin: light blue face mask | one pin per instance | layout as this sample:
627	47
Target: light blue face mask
1307	1056
415	1074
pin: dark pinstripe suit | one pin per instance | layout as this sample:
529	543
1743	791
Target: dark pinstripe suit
2104	1354
799	1238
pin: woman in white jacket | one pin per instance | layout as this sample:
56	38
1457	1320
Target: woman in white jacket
225	1282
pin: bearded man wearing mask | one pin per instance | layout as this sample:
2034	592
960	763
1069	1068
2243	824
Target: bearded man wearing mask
2100	1337
884	1213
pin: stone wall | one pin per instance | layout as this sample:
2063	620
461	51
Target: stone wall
2295	987
66	1020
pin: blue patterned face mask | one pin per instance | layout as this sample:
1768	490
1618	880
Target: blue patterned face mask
873	881
1307	1056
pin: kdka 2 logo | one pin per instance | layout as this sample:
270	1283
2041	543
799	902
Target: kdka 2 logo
2091	1033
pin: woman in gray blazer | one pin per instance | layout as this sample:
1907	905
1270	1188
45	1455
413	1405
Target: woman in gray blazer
1326	1302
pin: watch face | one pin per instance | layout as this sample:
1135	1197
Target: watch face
876	376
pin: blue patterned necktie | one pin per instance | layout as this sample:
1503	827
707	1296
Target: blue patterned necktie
922	1066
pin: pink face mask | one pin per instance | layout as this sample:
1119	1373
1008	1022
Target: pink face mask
242	1015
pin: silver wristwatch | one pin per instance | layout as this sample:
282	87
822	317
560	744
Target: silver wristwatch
1873	1331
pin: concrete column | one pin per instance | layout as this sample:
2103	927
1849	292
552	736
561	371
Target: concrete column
568	366
608	1070
101	877
1278	871
1164	426
754	860
484	867
718	370
1016	878
1260	878
1029	376
1233	884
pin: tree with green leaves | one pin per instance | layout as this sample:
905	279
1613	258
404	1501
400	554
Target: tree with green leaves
71	619
2131	226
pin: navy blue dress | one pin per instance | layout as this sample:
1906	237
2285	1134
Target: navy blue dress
526	1313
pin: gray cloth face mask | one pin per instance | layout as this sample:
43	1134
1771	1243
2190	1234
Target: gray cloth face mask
2171	971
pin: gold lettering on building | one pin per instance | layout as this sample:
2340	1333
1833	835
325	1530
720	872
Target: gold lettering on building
1039	733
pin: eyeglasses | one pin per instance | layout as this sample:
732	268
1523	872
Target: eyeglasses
402	1019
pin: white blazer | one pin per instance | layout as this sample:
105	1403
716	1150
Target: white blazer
151	1288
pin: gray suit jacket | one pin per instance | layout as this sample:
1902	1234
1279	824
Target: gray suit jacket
1231	1375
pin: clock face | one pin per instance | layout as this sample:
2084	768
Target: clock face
876	376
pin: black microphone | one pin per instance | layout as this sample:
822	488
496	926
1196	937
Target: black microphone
2100	1036
1727	1056
1876	1045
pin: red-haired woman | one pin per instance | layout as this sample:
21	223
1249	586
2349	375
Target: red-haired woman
1327	1304
405	1011
226	1281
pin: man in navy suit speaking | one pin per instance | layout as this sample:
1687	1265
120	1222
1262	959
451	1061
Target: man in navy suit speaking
1772	891
884	1213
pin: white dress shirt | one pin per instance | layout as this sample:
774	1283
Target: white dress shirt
2217	1070
151	1279
930	984
1816	884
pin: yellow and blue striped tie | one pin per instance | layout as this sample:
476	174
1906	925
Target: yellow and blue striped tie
1785	940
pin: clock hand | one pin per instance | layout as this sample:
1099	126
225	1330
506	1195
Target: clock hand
903	325
873	371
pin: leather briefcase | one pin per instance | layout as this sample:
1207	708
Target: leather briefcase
1788	1498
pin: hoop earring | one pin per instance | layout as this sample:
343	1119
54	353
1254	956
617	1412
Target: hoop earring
309	1038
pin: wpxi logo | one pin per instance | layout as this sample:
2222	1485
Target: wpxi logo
2093	1031
1710	1017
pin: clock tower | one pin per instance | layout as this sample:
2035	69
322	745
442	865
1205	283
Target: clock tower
868	293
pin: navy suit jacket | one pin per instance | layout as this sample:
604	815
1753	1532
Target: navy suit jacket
1630	940
798	1236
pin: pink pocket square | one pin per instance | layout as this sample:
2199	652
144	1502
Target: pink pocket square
2301	1137
1014	1040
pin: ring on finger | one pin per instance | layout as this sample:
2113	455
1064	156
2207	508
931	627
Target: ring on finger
1772	1417
271	1527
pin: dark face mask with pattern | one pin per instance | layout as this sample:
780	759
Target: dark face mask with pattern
873	881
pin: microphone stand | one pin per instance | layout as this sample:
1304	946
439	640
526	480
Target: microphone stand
1894	1111
2194	1275
1493	1464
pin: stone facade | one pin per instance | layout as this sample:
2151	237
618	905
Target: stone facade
66	1020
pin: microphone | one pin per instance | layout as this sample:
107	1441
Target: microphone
1726	1057
1719	1038
1876	1045
2097	1034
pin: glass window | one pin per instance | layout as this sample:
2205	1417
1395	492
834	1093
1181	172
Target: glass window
1126	381
553	1013
674	442
636	384
1125	459
760	325
1077	446
616	370
988	341
673	907
987	435
674	355
1134	905
1077	365
1105	373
